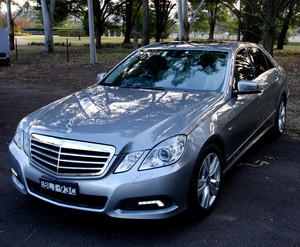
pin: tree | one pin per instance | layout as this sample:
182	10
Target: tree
273	10
291	16
132	8
163	22
268	11
48	16
10	26
10	23
215	14
249	23
103	10
146	23
184	25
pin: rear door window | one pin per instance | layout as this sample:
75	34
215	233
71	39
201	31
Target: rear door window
243	69
258	60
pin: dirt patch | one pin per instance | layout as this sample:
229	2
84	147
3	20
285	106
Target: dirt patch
52	73
35	69
291	65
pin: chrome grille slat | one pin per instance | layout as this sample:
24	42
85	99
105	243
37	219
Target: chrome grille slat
43	147
44	154
79	168
80	161
87	156
42	160
69	158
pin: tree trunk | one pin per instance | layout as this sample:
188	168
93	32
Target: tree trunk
157	20
129	9
98	22
146	24
282	35
212	25
285	28
48	14
247	32
183	20
10	25
268	39
98	39
93	56
239	30
269	26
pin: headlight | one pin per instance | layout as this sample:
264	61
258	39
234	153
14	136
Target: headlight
18	138
165	153
128	162
22	140
26	143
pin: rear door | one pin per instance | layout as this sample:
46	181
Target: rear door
267	77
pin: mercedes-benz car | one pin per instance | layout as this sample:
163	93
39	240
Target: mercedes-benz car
155	135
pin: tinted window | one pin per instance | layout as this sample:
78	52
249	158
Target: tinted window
259	62
198	70
243	69
270	64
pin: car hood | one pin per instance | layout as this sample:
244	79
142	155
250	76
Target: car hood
129	119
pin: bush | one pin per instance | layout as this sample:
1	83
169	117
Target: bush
62	43
71	33
56	43
36	43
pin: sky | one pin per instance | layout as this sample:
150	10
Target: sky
13	7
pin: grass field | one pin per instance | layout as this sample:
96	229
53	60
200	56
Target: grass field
293	47
76	40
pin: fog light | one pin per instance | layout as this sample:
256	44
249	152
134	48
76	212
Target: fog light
14	172
157	202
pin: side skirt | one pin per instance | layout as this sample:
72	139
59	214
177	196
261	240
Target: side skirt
247	146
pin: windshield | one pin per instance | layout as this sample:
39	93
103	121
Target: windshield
175	69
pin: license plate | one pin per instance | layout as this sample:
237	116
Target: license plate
58	187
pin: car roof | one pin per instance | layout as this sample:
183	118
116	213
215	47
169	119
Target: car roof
181	45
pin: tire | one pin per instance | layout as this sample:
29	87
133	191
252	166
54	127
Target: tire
206	181
280	120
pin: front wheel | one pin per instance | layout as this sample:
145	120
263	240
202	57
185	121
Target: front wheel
206	180
280	121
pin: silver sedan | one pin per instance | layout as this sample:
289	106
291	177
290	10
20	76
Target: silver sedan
154	136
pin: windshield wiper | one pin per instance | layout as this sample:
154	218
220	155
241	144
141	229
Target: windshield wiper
143	87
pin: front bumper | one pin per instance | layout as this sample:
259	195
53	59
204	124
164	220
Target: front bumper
133	194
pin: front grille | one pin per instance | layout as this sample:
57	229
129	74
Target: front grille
80	200
70	158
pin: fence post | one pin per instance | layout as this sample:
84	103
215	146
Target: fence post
16	41
135	44
68	50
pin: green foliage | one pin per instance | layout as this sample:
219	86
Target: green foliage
63	10
36	43
212	11
17	30
3	21
56	43
62	44
71	33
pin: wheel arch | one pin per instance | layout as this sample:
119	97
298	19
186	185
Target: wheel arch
284	96
220	143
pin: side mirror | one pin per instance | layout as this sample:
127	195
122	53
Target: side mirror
247	87
100	77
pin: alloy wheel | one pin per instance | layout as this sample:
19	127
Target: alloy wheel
281	117
209	180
